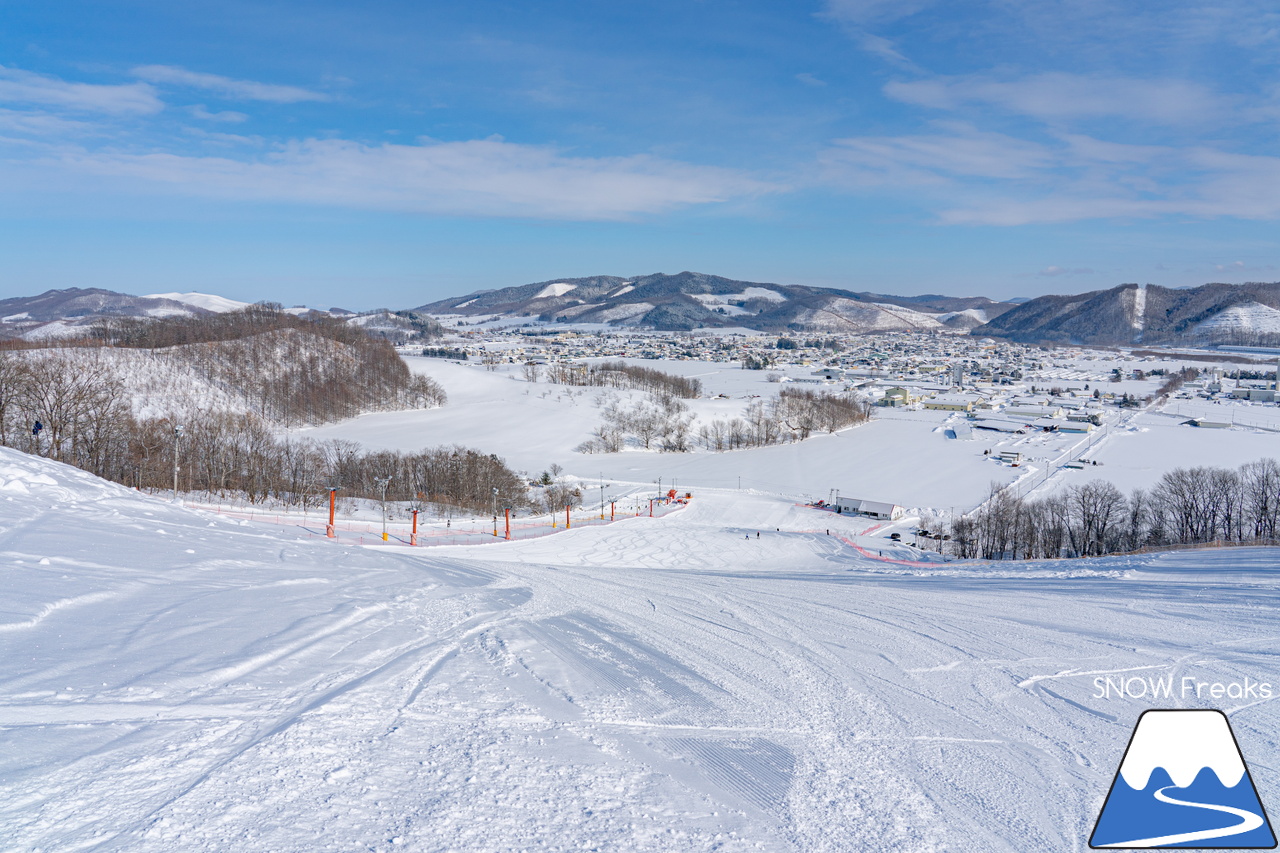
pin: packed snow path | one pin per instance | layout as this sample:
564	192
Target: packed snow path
169	681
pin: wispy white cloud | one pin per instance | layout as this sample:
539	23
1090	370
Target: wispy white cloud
472	178
227	87
883	48
1058	96
40	124
863	12
978	178
202	112
809	80
956	150
858	17
1240	268
26	87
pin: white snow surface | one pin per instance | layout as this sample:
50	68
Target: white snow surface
763	293
978	315
1183	743
1139	320
900	457
175	681
1247	318
207	301
559	288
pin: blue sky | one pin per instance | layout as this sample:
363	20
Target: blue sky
393	153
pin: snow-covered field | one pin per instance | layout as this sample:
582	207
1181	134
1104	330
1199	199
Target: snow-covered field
903	457
910	458
1137	458
175	682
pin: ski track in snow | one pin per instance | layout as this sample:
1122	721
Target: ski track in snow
660	684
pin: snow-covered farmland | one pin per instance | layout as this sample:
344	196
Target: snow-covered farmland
910	458
175	682
1136	458
905	458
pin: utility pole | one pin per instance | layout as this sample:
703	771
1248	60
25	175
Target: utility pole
602	496
383	482
495	511
331	531
177	434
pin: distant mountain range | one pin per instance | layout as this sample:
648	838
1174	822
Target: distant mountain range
1147	314
59	313
1121	316
69	313
689	300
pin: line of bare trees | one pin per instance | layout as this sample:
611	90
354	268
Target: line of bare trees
659	421
664	422
1174	381
618	374
794	415
238	455
81	405
1187	506
87	423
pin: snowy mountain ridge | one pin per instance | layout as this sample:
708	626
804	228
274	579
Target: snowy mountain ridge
690	300
1149	314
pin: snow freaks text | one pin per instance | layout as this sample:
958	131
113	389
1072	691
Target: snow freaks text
1186	687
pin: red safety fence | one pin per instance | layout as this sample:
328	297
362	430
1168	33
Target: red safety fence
459	531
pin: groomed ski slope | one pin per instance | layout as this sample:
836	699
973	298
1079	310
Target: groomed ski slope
170	681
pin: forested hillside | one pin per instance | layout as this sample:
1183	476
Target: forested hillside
216	390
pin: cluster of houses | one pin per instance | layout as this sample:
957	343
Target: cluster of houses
846	358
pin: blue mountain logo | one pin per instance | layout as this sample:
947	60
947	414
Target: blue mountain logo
1183	783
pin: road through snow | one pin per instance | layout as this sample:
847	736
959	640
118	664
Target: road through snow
169	681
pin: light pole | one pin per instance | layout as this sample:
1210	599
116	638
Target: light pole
602	496
177	434
383	482
494	504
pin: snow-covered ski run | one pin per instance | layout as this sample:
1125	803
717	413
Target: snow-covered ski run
172	681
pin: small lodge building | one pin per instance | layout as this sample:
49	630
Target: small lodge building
875	509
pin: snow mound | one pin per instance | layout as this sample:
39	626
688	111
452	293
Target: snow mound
977	315
560	288
22	474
